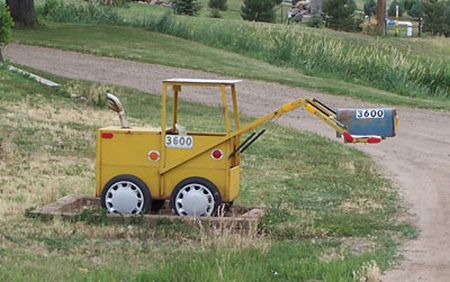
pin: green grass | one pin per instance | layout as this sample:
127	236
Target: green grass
145	46
138	11
329	218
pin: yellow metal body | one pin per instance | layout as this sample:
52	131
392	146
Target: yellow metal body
127	151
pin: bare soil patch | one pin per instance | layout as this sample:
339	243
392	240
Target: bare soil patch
418	160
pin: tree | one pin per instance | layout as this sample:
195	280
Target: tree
393	9
408	4
436	16
218	4
416	9
185	7
446	22
258	10
22	11
339	15
6	23
370	8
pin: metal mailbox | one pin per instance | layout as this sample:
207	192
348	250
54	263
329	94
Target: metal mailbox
369	122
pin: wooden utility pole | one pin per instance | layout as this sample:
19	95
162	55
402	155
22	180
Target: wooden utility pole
381	11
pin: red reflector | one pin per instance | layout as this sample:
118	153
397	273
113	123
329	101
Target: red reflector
348	137
107	135
373	140
217	154
153	156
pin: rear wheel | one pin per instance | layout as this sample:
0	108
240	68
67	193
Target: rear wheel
126	194
195	197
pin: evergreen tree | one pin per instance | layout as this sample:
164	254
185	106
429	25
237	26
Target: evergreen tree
446	22
408	4
258	10
370	8
393	10
185	7
416	10
339	15
436	15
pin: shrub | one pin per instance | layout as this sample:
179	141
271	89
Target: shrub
215	14
122	3
185	7
6	23
339	15
315	21
220	5
258	10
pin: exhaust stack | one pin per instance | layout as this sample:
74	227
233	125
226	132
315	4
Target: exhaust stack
115	105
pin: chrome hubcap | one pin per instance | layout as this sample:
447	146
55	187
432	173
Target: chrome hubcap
124	197
194	200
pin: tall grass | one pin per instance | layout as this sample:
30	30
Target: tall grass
374	64
379	65
76	11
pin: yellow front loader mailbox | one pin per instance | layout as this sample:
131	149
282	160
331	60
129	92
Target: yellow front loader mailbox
138	169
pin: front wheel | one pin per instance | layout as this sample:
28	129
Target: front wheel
195	196
126	194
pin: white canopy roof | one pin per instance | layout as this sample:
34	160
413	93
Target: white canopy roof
202	81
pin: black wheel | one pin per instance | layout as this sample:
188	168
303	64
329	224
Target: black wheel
195	196
126	194
157	205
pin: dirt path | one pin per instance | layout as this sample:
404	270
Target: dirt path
418	159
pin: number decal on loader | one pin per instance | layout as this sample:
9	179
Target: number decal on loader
370	113
179	141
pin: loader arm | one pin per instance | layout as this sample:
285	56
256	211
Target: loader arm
313	106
